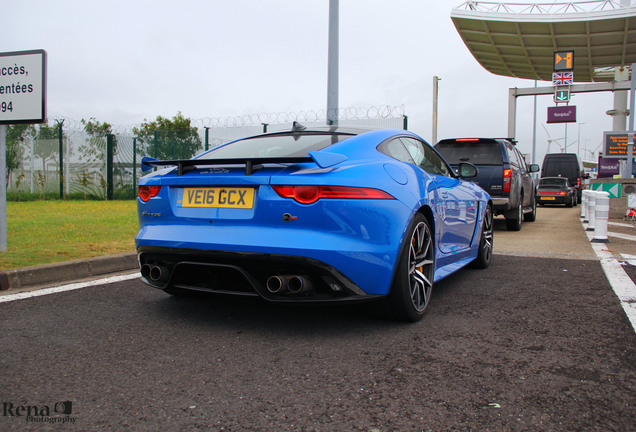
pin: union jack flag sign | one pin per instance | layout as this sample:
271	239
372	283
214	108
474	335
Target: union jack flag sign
562	78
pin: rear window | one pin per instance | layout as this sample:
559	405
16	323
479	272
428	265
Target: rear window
476	152
561	166
552	182
275	146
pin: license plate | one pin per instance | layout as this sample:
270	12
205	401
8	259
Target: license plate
218	197
547	198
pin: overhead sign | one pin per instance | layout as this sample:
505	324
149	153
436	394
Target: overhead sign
561	95
608	167
562	78
562	114
615	144
563	61
23	87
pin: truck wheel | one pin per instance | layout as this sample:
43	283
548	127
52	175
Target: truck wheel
532	216
514	219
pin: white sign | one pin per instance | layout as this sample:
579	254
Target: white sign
23	87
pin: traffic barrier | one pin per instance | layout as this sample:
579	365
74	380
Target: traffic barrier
591	210
601	217
584	197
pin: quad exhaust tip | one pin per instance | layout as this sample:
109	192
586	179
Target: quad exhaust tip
286	284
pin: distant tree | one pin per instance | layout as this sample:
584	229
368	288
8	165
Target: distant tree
95	148
17	135
176	138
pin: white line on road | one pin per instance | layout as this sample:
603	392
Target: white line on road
68	287
621	283
624	225
622	236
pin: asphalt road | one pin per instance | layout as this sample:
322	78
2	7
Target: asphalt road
538	341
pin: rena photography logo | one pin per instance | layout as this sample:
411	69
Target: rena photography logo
59	412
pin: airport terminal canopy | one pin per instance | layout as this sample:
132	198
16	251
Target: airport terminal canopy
520	39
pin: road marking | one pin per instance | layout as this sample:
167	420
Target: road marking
622	236
68	287
623	286
624	225
629	259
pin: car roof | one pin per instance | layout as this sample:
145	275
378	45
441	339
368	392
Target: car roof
554	178
476	139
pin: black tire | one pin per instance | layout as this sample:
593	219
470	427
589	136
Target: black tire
514	218
486	242
413	280
532	216
570	204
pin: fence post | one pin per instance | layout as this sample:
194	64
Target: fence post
405	123
134	165
109	166
60	139
207	138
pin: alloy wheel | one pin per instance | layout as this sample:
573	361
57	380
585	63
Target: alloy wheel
421	266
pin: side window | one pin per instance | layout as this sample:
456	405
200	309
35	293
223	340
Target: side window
395	148
426	158
512	155
522	161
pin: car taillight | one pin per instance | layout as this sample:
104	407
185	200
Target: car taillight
311	194
147	192
507	179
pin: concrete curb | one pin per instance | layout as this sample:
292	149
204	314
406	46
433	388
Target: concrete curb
67	271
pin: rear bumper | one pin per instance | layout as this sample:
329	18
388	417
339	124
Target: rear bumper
501	204
562	199
247	274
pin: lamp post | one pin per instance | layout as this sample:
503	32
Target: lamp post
332	64
578	140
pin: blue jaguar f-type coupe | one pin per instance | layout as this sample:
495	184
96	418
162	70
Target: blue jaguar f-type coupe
325	214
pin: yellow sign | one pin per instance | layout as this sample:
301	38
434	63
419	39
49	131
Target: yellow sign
563	61
218	197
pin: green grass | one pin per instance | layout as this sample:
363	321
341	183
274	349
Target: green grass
42	232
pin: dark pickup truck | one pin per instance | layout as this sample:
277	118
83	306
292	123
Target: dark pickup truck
503	173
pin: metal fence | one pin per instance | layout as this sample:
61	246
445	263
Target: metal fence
76	164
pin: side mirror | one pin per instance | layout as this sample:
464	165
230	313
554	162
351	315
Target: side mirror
467	170
534	168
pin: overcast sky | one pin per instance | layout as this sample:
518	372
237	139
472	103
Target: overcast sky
126	61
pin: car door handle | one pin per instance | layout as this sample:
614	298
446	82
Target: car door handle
444	194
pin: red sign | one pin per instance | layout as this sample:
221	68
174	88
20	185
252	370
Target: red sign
562	114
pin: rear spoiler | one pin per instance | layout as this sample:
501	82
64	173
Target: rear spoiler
322	159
